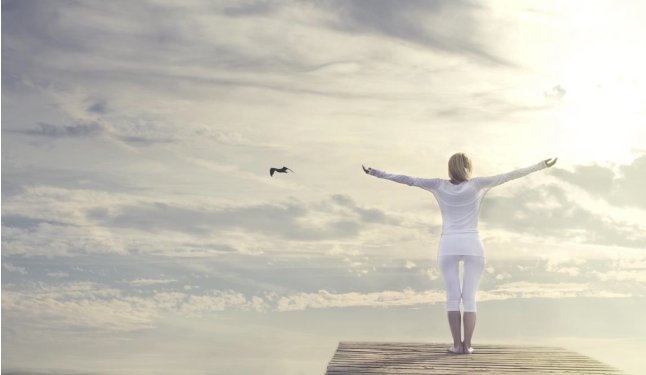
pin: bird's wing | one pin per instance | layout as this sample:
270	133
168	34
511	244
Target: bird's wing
271	171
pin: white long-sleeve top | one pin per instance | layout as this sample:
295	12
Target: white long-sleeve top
459	204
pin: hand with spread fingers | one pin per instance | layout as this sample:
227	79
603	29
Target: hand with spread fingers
549	164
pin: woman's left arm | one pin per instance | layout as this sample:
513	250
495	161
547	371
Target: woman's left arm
424	183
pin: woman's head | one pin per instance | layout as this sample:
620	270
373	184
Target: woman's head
459	167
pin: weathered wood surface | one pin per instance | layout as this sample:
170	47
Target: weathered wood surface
357	357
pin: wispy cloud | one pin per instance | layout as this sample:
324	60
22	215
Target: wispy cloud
58	274
237	172
622	275
97	308
421	23
143	282
561	218
11	268
619	186
557	92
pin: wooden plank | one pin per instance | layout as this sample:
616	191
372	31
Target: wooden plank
365	358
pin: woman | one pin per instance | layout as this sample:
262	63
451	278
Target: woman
459	199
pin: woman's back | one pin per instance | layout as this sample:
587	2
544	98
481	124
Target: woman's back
459	204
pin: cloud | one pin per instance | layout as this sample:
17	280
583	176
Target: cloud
95	308
632	178
595	179
82	221
431	273
72	306
12	268
606	294
572	271
58	274
525	289
54	240
87	129
565	217
230	138
366	215
100	229
252	9
410	264
522	289
621	275
362	272
145	282
276	220
445	26
10	188
554	259
557	93
619	188
95	35
325	299
485	108
28	223
290	219
337	249
78	130
100	107
237	172
47	177
89	307
128	38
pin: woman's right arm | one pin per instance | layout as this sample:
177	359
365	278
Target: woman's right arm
492	181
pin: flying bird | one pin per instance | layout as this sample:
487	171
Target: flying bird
281	170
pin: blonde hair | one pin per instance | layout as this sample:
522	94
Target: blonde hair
459	167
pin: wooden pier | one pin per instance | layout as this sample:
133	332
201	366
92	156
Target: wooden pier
356	357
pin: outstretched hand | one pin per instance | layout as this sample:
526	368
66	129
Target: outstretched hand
549	164
364	169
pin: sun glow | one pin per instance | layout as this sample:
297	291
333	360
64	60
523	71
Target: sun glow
602	114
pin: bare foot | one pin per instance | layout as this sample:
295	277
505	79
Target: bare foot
455	350
467	349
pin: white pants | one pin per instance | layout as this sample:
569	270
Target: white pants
449	268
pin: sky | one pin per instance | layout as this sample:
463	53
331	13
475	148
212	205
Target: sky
143	234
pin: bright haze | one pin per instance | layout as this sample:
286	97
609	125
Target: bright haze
142	233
